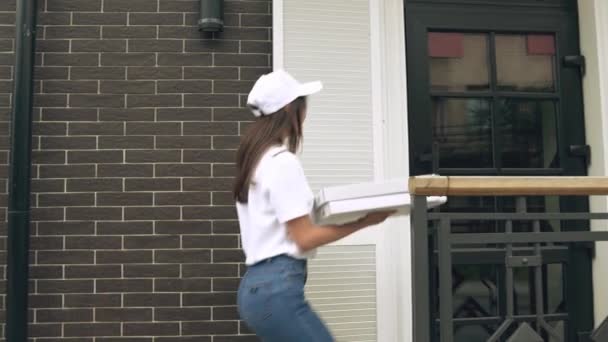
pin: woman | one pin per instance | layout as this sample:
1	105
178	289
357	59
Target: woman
274	202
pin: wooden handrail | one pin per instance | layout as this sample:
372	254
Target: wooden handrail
507	186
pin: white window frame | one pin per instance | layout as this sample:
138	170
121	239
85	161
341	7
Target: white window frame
391	160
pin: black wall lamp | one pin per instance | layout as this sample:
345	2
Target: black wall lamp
211	16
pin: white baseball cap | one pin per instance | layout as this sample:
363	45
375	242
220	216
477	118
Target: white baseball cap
276	90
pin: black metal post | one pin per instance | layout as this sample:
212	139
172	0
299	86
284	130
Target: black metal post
19	174
420	270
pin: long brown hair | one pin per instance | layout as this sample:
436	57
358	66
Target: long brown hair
284	126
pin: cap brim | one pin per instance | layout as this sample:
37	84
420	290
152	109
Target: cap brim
310	88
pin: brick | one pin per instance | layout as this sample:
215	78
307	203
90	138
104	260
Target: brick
209	328
151	300
253	73
109	142
96	128
72	32
51	73
182	314
178	6
211	73
97	213
97	45
177	87
52	45
93	271
243	87
92	300
125	170
93	242
209	299
247	33
183	142
46	272
224	170
74	5
186	339
64	315
210	241
48	185
144	101
179	32
46	330
256	20
183	227
71	59
225	313
209	270
93	157
6	73
182	256
65	228
128	87
205	45
98	73
123	339
126	114
153	156
222	198
123	257
123	315
151	271
159	73
153	128
6	45
184	59
211	128
91	329
181	285
130	32
205	100
69	114
130	6
226	284
232	114
126	228
183	114
152	213
46	242
48	128
65	286
7	32
121	286
209	213
65	257
155	45
80	18
87	101
226	142
256	47
44	301
226	255
156	19
65	200
128	59
232	59
53	100
152	242
93	184
7	18
235	6
208	156
156	329
48	157
207	184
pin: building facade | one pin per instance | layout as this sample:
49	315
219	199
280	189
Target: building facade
138	115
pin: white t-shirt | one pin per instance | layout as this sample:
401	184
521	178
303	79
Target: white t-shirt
279	192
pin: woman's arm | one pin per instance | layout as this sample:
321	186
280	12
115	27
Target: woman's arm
308	235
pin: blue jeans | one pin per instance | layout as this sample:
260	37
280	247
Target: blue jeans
272	304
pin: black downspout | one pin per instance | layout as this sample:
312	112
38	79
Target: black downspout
19	174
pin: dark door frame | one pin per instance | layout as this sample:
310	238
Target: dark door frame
552	16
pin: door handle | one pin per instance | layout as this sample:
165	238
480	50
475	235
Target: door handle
581	151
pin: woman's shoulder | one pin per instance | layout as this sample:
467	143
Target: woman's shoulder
279	158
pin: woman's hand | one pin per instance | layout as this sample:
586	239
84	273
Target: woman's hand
374	218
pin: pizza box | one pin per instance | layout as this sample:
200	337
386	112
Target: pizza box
347	203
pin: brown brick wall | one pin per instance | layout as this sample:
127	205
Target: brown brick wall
137	118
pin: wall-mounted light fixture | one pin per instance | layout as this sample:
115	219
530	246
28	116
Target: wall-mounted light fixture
211	16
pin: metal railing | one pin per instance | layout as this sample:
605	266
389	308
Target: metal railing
539	248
